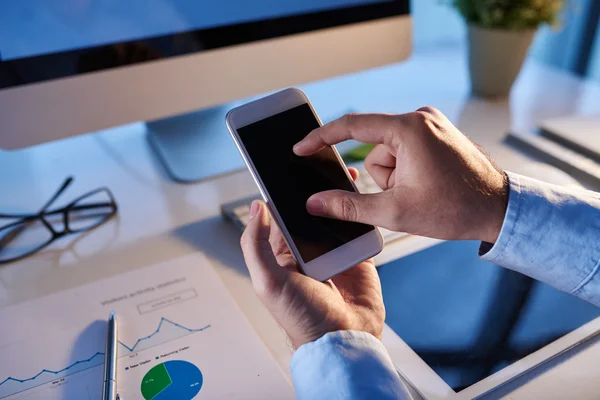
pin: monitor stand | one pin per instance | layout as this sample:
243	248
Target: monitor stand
196	146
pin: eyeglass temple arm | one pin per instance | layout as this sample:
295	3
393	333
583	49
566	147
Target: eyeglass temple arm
64	186
12	235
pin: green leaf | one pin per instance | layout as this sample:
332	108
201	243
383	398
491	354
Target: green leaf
509	14
358	153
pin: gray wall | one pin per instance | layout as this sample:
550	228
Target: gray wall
436	24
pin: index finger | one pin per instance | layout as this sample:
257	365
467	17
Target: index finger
366	128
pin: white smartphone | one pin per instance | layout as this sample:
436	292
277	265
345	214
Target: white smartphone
265	132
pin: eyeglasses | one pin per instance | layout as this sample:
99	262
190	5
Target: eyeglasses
30	233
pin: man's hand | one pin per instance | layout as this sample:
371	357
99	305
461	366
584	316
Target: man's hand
305	308
435	181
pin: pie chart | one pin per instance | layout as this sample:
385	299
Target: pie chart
175	379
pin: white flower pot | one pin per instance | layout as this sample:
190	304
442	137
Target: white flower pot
495	59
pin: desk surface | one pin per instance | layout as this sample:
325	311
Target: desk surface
159	219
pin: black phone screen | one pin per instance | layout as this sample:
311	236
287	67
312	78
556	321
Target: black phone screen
291	180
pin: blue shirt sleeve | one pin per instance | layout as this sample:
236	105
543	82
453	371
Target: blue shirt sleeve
552	234
346	365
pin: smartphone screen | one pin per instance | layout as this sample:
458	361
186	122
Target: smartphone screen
291	180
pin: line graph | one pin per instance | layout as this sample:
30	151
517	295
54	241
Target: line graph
147	341
49	371
12	385
168	330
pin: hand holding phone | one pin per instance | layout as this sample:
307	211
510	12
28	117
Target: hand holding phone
265	132
305	308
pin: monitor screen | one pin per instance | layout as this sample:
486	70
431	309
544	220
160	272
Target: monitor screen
49	39
34	27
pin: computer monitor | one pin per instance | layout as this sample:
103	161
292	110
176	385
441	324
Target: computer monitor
75	66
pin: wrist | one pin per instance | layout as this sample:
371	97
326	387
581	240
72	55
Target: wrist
496	212
368	325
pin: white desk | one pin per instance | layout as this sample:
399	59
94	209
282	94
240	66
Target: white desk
159	219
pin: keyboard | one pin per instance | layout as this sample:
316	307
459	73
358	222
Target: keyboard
238	212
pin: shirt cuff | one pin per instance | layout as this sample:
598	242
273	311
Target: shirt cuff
493	251
345	365
550	233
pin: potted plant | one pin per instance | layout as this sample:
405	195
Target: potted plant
500	33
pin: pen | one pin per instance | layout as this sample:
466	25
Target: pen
110	360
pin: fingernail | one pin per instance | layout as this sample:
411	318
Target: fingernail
298	146
315	207
254	208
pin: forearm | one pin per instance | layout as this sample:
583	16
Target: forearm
345	365
551	234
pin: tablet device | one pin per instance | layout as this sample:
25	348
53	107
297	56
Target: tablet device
468	326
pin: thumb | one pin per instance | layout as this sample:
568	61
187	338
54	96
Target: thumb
376	209
268	277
